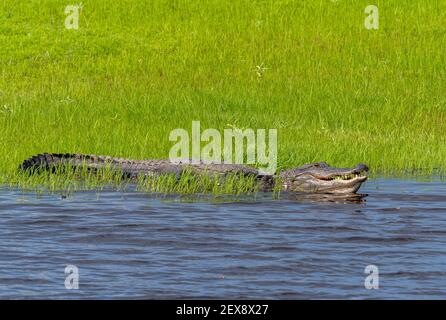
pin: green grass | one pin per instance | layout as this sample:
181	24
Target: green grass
68	179
135	70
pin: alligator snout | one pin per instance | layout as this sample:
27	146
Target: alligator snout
361	167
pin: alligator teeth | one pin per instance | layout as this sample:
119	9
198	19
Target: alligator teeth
346	176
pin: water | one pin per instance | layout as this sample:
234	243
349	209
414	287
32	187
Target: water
130	245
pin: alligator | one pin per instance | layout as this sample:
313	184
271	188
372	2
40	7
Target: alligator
316	177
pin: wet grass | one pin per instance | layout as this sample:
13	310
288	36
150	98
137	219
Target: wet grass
135	70
67	179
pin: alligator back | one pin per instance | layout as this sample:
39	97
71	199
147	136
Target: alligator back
131	168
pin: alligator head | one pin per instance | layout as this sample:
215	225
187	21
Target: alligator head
320	177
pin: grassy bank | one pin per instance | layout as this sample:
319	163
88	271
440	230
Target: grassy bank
135	70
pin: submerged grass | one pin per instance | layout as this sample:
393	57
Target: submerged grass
189	183
135	70
68	179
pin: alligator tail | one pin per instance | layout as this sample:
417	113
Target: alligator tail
47	161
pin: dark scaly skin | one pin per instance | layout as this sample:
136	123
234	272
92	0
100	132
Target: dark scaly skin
311	178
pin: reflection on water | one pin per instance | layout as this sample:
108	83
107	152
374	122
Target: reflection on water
320	198
134	245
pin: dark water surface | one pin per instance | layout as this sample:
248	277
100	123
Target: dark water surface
131	245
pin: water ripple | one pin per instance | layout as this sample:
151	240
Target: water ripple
131	245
